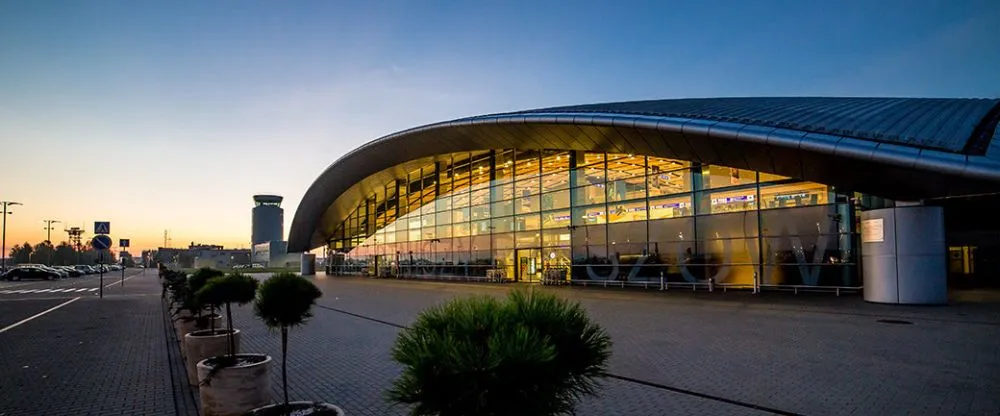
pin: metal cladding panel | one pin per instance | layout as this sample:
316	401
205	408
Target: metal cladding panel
725	140
941	124
756	153
766	134
696	134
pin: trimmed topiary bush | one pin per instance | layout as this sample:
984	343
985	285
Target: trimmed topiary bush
527	354
225	290
285	301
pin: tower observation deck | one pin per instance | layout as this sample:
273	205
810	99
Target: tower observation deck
268	219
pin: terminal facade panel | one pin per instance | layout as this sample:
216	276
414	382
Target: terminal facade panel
525	215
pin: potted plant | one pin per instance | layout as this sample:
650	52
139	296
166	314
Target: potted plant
233	383
285	301
528	354
196	318
207	342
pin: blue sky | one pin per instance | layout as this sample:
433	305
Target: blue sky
208	102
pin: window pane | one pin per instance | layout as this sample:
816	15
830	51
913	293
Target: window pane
525	187
526	164
480	196
427	220
727	201
461	200
528	222
503	208
443	217
527	205
529	239
794	195
593	194
481	227
556	219
591	157
715	176
555	181
555	200
666	183
657	165
589	175
444	231
629	211
461	215
626	189
503	241
621	166
770	177
502	225
504	166
678	206
557	237
480	212
555	161
593	214
442	204
460	229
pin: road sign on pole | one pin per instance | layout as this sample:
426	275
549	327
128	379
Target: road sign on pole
123	243
102	227
101	242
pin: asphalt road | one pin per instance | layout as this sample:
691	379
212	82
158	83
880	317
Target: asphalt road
65	288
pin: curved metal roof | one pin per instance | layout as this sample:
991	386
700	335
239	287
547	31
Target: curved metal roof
901	148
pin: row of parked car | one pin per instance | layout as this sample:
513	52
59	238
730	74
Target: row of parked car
41	271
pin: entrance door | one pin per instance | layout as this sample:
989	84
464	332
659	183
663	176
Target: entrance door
529	265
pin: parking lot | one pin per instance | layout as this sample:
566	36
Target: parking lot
86	285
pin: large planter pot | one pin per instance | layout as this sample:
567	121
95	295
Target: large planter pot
298	409
236	389
202	344
185	323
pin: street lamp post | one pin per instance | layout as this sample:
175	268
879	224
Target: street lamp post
48	237
3	245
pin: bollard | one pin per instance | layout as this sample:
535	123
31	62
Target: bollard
662	287
756	287
711	284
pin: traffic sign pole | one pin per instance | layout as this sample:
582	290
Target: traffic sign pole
100	262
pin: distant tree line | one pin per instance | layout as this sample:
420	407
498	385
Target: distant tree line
63	254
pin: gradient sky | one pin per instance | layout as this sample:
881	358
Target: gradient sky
171	115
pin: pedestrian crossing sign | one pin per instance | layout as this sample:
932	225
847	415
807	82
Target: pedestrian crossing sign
102	227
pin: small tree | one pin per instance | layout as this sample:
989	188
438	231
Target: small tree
529	354
197	281
285	301
232	288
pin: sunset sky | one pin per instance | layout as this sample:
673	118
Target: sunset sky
171	115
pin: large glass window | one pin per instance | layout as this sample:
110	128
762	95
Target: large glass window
715	176
793	195
475	209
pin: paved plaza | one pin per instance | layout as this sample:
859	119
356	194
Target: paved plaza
674	353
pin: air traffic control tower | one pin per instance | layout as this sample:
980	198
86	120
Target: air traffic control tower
268	219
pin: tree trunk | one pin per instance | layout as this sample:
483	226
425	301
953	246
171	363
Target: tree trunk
284	366
232	339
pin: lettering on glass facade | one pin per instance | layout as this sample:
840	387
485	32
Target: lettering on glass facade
522	215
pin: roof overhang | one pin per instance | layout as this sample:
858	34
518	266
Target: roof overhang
889	170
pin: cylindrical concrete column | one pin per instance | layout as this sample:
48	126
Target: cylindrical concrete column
308	267
904	255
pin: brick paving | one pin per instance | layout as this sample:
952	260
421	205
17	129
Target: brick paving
91	357
796	355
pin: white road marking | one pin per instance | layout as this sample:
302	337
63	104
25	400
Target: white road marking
16	324
60	290
119	281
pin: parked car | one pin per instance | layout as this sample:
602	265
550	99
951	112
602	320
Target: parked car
21	272
85	269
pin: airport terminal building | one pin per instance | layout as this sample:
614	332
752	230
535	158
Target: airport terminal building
731	192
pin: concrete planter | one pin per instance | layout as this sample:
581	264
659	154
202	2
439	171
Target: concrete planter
237	389
298	409
185	323
202	344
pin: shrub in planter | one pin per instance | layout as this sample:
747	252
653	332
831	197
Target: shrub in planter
234	383
192	316
528	354
285	301
206	340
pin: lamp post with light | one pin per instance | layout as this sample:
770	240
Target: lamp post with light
3	245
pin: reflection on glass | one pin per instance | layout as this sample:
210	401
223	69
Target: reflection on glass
598	211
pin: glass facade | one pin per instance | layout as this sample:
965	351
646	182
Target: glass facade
528	214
